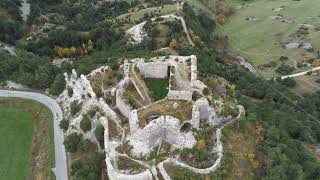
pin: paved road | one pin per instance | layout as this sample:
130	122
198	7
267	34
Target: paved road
60	153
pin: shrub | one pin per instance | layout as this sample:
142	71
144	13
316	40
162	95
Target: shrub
70	91
289	82
99	132
284	69
64	124
71	142
97	91
206	91
84	145
88	168
221	19
58	85
195	95
173	44
74	108
85	124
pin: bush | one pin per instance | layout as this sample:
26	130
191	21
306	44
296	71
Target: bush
99	132
221	19
74	107
284	69
289	82
206	91
195	95
84	145
70	91
71	142
88	168
64	124
85	124
58	85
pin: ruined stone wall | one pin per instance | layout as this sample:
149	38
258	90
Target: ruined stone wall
133	121
179	95
195	121
154	69
123	107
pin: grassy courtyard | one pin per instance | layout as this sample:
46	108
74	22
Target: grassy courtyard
257	39
157	87
27	149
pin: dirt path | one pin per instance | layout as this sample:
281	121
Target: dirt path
301	73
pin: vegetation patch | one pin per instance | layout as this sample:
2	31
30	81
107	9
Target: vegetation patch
157	87
27	149
179	173
201	155
125	163
183	111
241	160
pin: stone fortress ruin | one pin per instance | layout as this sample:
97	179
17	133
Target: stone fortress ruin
144	134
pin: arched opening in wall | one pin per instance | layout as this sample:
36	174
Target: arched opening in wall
186	127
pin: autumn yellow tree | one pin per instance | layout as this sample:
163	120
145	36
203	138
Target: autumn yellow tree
58	52
173	44
221	19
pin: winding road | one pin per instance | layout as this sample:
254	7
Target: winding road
60	154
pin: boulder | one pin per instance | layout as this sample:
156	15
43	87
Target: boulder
308	26
276	17
292	45
306	46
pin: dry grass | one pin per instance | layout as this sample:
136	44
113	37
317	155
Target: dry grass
306	84
183	111
241	160
113	130
132	97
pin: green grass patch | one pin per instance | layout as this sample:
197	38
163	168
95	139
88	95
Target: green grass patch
157	87
26	129
256	40
15	150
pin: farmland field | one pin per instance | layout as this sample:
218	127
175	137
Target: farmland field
26	130
260	39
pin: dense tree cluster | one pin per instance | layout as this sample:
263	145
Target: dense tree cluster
27	69
199	22
10	21
88	168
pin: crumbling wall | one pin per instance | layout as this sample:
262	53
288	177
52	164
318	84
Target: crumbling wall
154	69
195	121
122	106
179	95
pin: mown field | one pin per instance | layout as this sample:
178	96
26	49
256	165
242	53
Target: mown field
26	138
16	139
257	39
